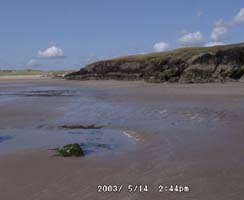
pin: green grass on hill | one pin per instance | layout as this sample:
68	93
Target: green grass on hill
180	53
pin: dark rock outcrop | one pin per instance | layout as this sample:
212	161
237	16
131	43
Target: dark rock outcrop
70	150
187	65
78	126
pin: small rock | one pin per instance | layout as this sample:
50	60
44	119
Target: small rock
71	150
102	145
77	126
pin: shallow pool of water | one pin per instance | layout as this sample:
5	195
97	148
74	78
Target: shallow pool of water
92	141
70	101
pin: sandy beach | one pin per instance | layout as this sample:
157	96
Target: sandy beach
189	135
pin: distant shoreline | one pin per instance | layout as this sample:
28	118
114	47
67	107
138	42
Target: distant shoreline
21	77
30	74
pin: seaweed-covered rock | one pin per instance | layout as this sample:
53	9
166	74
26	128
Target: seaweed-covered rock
78	126
103	145
71	150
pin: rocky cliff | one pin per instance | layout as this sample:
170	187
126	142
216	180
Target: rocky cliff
186	65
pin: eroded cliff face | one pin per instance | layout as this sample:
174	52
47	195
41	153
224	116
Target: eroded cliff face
188	65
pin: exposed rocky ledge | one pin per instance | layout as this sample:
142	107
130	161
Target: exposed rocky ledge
186	65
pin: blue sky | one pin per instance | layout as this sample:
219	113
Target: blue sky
67	34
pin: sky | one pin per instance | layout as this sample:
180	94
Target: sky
68	34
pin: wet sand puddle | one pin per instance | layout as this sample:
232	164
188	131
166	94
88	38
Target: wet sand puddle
105	140
92	141
86	105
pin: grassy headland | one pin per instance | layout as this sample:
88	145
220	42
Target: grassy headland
184	65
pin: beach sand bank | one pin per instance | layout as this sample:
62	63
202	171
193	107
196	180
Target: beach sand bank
188	135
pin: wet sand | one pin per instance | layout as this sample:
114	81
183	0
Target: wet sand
186	135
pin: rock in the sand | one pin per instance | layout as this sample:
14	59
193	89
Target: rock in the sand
71	150
77	126
102	145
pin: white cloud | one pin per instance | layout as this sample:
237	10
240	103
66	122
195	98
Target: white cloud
239	18
33	63
191	39
221	28
220	31
211	44
161	46
51	52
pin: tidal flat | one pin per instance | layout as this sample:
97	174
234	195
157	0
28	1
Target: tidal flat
149	134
